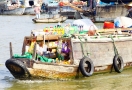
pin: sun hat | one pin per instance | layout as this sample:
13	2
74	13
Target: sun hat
128	5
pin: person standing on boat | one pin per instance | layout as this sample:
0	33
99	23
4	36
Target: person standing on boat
37	10
91	4
129	9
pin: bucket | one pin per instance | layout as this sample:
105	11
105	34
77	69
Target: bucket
108	25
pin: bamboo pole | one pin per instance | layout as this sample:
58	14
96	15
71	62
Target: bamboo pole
34	51
114	29
11	52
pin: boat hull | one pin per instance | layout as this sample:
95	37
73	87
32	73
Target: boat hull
106	13
29	11
69	14
28	69
17	11
50	20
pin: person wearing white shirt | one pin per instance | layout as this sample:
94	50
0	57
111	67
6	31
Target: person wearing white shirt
41	48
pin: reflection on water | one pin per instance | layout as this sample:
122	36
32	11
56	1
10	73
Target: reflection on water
14	28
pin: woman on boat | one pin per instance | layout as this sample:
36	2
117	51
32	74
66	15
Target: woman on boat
41	48
37	10
129	9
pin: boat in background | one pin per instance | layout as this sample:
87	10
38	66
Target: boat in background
102	11
50	20
11	8
17	11
29	6
66	10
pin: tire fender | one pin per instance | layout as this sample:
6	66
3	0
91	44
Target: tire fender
118	63
17	68
86	66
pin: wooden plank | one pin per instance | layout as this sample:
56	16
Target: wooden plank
116	29
52	37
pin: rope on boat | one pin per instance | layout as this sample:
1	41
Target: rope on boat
115	49
82	46
117	60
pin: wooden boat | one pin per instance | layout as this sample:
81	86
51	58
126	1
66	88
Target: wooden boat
12	9
88	55
67	11
102	12
50	20
29	6
17	11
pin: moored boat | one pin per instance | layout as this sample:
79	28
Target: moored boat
99	12
29	6
17	11
85	55
11	8
50	20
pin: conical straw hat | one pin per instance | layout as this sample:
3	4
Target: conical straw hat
129	4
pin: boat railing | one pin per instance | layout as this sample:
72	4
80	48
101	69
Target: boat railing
116	31
105	33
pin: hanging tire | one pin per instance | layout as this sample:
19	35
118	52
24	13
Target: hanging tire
17	69
118	63
86	66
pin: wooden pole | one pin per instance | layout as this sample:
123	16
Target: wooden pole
11	52
34	51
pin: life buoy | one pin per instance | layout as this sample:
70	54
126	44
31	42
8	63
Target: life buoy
86	66
118	63
17	68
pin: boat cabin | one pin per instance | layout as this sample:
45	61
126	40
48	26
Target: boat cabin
54	47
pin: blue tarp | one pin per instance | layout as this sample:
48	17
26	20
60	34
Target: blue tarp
103	3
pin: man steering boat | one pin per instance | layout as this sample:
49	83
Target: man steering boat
129	9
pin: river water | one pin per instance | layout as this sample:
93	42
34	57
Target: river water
14	28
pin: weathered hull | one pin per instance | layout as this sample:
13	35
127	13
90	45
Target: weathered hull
50	20
107	13
17	11
29	11
101	51
69	14
28	69
67	11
